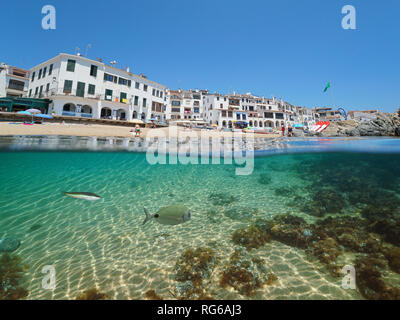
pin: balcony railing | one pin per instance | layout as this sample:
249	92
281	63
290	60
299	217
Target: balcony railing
75	93
16	87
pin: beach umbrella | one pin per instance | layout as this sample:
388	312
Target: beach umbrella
43	116
34	111
24	112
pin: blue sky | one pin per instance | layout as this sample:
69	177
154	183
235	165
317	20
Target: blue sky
285	48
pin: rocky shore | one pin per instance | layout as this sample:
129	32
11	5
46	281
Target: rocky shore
385	124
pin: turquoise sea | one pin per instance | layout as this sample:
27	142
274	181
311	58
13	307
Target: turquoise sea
283	232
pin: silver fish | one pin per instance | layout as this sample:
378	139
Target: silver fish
170	215
82	195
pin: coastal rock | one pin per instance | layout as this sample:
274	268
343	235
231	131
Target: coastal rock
383	125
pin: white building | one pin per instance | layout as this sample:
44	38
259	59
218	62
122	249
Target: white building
185	105
82	87
238	110
13	81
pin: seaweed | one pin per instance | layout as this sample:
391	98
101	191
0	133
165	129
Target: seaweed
92	294
244	274
370	282
152	295
264	179
11	273
192	268
250	237
392	254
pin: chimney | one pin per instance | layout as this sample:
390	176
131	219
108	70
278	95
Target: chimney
128	69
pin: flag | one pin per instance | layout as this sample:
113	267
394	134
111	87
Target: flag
327	86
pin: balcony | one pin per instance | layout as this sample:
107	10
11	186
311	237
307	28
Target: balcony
12	86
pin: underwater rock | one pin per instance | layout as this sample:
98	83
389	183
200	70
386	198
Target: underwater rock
370	282
92	294
192	268
289	229
392	254
327	251
11	273
250	237
188	291
324	201
9	244
221	199
243	273
152	295
264	179
388	228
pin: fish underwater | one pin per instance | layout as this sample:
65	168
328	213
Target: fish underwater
83	195
170	215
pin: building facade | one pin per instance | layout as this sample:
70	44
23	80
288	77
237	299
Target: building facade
185	105
81	87
14	81
242	110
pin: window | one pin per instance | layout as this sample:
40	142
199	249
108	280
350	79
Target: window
80	89
137	85
40	74
108	94
154	92
48	87
44	71
108	77
36	91
93	70
50	69
30	92
158	93
161	94
176	103
91	89
129	83
145	87
33	76
123	81
41	90
136	100
71	65
144	102
67	86
123	97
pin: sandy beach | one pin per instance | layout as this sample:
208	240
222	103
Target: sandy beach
96	130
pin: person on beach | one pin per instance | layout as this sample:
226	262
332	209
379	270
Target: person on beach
283	130
290	131
136	131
